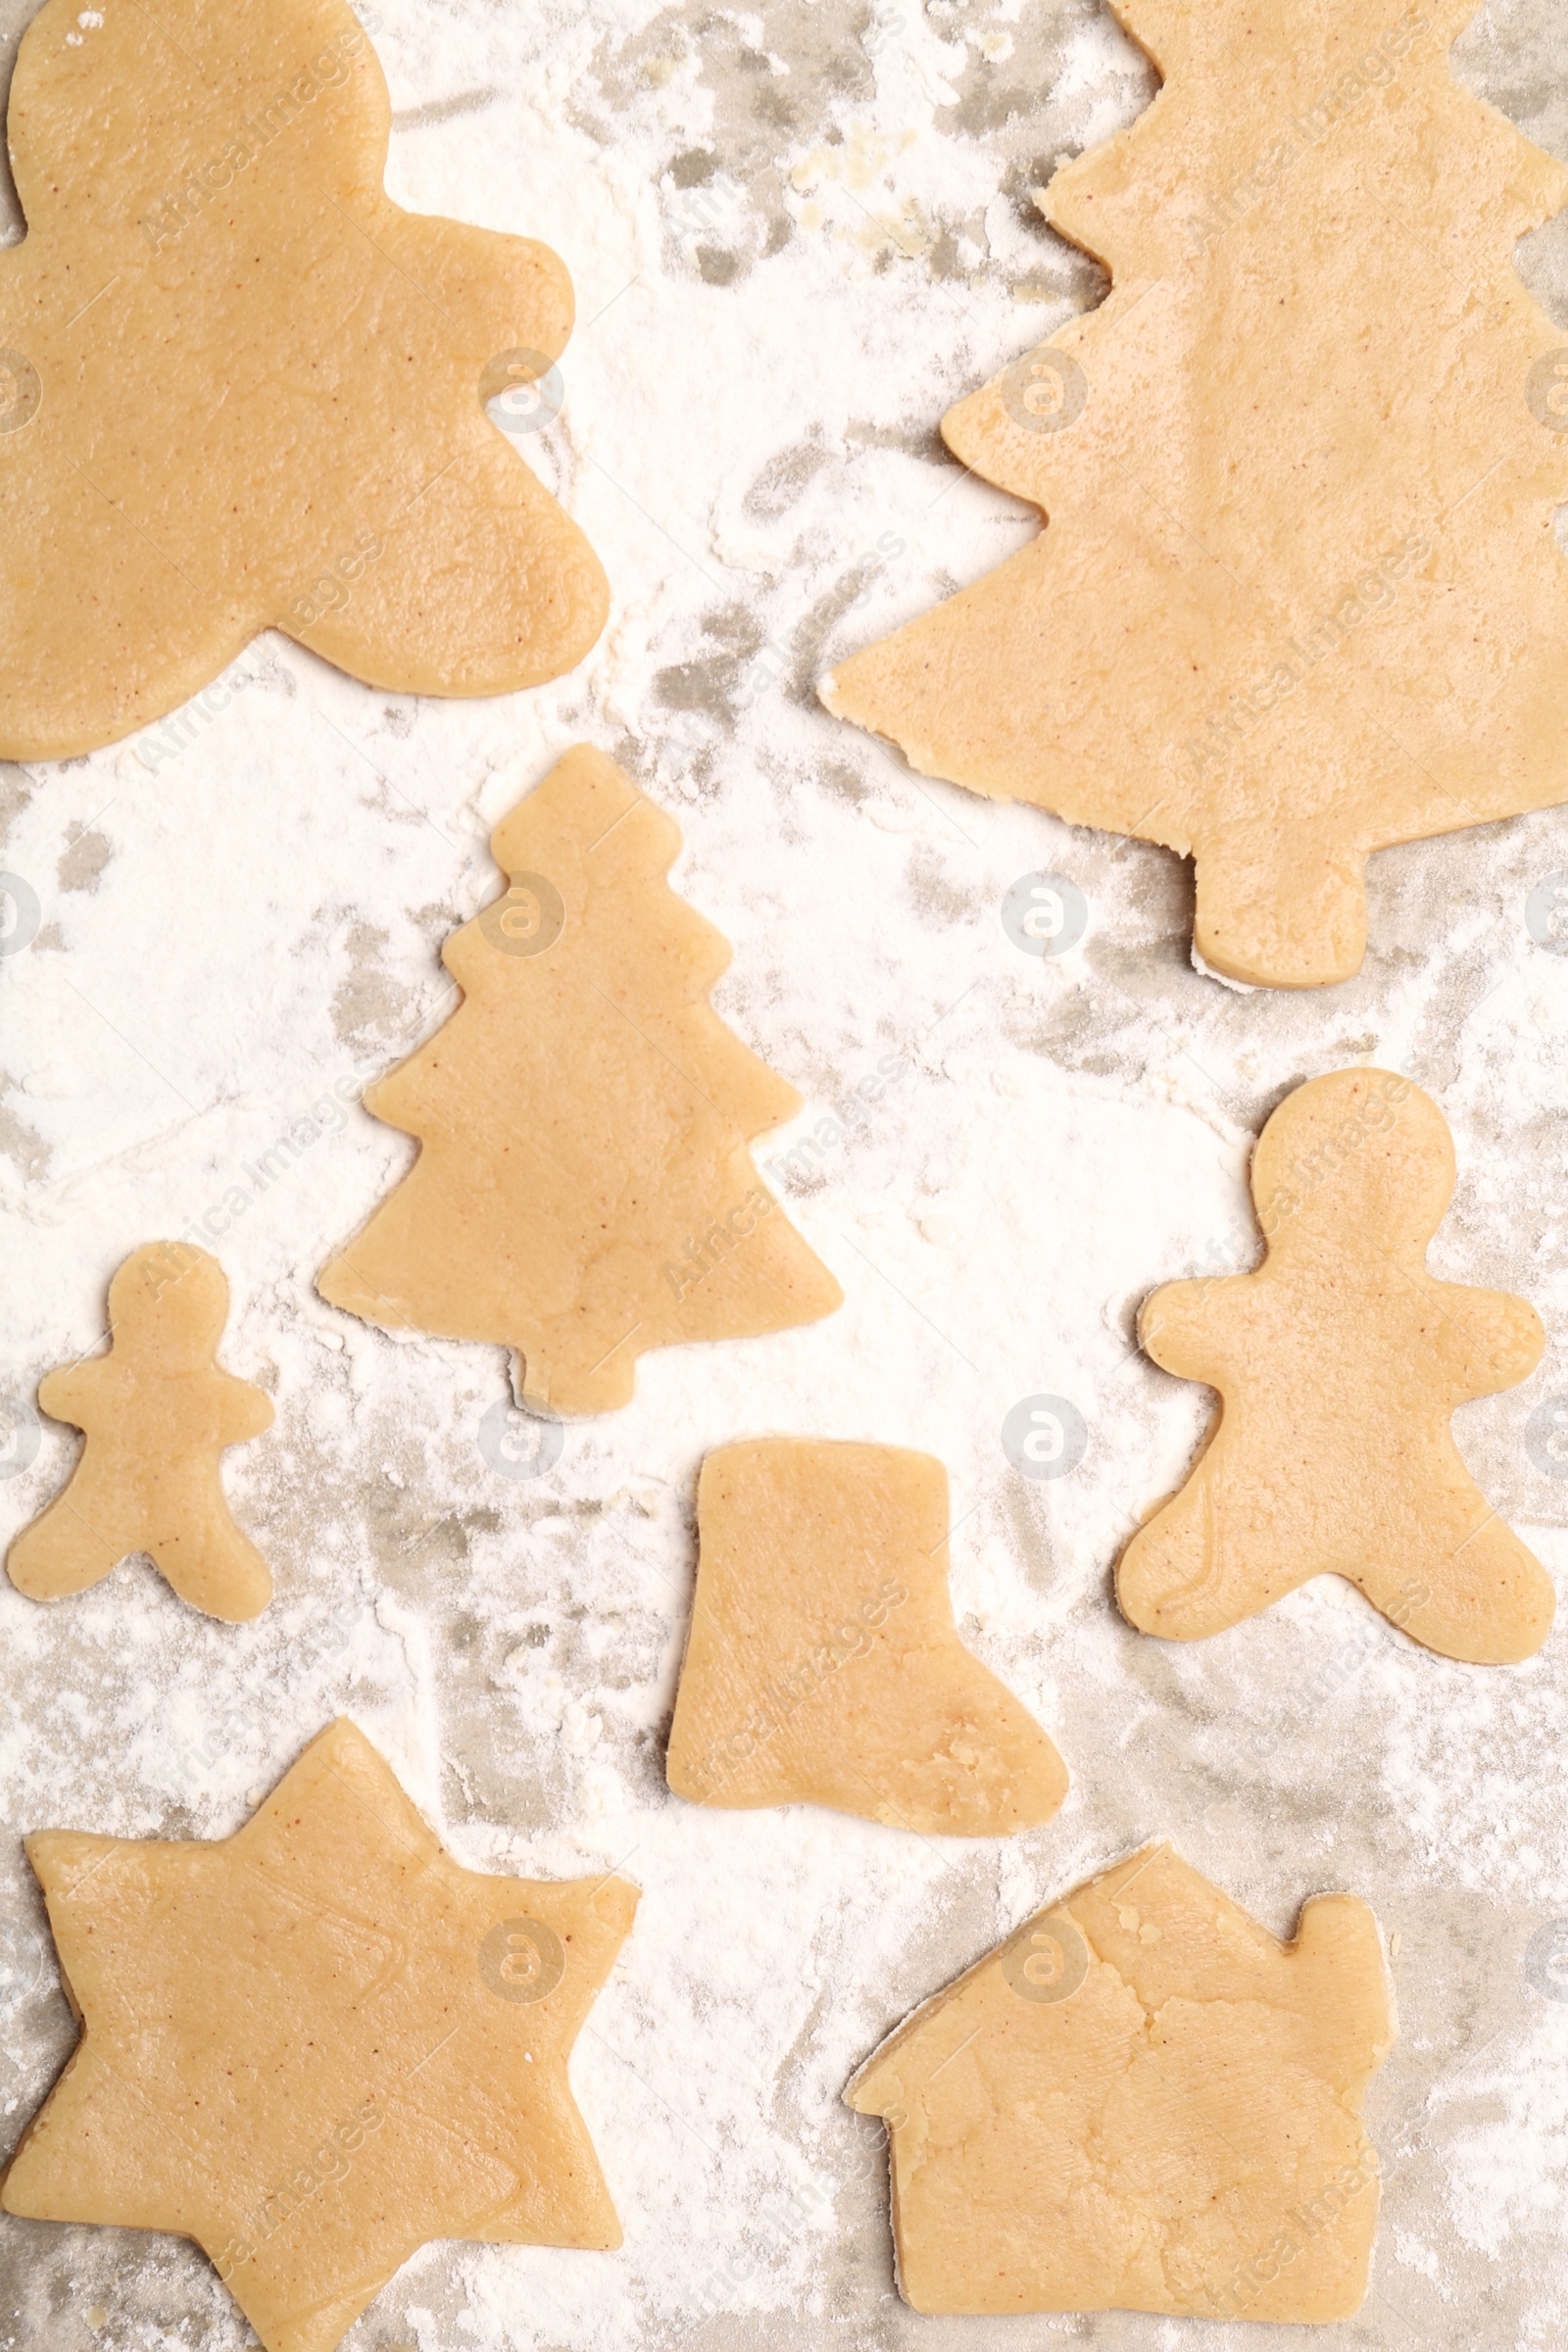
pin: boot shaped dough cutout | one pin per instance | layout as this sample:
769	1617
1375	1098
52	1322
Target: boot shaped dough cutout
823	1666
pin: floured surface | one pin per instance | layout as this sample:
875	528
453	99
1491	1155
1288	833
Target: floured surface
1019	1148
1147	2104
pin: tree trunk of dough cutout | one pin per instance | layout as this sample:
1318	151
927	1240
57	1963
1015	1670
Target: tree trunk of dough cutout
823	1666
240	388
583	1192
1299	595
318	2045
157	1413
1339	1365
1142	2101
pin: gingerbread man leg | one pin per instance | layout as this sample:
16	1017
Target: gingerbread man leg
71	1545
202	1553
1205	1561
1483	1597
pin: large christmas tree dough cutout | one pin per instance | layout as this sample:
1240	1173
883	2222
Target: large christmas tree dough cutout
240	387
823	1666
157	1412
1299	595
318	2045
583	1192
1141	2102
1339	1365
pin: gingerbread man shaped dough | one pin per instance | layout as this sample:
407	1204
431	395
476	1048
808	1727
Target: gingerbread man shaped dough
157	1412
241	388
1339	1365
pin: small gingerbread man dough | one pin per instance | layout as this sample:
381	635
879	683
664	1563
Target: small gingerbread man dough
1339	1365
157	1412
241	388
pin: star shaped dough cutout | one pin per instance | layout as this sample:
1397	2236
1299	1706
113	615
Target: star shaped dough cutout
240	388
318	2044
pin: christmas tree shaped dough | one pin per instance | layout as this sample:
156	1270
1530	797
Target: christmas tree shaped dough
1339	1365
583	1192
1141	2102
157	1412
318	2045
823	1666
240	387
1299	595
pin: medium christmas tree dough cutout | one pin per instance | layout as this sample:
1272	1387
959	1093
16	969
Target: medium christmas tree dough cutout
318	2045
1339	1365
240	387
583	1192
1141	2102
157	1412
823	1666
1299	595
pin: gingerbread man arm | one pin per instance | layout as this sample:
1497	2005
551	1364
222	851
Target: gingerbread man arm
242	1410
1187	1326
75	1393
1486	1341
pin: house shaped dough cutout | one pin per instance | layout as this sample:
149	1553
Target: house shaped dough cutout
1142	2101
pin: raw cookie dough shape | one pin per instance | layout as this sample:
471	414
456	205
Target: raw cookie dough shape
1141	2102
584	1191
240	387
1339	1365
157	1412
317	2045
1299	595
823	1666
